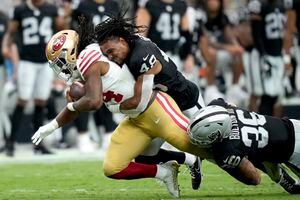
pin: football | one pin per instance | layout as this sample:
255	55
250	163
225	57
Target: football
77	90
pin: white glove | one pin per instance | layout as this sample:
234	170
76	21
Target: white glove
44	131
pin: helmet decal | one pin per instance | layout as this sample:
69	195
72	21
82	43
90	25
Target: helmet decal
59	42
214	136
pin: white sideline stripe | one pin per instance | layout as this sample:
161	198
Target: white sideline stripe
81	190
26	156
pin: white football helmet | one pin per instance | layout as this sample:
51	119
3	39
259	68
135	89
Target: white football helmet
61	52
208	125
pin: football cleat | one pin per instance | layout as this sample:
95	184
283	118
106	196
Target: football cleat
196	174
288	183
171	179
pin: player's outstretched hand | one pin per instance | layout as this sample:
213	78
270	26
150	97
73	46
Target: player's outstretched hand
43	132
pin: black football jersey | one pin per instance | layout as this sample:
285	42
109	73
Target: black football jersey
37	25
294	5
256	137
96	12
215	27
273	18
3	26
143	56
165	25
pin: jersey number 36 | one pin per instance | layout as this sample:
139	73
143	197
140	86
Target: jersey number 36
253	130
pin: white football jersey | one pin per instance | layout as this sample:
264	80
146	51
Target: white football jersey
118	82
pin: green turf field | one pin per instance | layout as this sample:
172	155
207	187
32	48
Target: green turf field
84	180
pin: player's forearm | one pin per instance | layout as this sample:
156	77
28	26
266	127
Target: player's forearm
132	103
6	44
143	18
66	116
246	173
230	35
142	94
289	32
86	104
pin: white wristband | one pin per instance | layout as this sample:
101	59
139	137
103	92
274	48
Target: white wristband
54	124
115	108
287	59
70	107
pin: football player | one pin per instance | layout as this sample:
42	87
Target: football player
225	54
36	21
240	139
267	23
292	30
167	21
244	35
140	54
151	114
97	11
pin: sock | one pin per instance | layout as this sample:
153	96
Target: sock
161	157
189	159
136	171
15	122
38	117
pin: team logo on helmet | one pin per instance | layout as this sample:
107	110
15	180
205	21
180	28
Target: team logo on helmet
58	42
214	136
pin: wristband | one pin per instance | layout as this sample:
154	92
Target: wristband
54	124
70	107
287	59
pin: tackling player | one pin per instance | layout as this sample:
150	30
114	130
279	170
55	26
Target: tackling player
119	41
241	139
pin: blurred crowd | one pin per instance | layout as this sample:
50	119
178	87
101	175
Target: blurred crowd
245	51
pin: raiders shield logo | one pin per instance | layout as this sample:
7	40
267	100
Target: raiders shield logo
215	136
